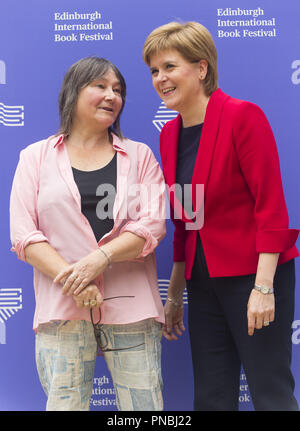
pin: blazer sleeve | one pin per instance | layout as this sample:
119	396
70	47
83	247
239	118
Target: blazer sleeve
150	223
24	229
258	157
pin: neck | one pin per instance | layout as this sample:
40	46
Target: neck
194	113
88	139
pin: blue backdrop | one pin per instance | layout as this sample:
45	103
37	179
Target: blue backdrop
259	61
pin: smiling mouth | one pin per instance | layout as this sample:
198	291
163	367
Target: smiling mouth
105	108
168	90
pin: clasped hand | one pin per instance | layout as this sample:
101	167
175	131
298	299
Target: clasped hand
89	297
79	275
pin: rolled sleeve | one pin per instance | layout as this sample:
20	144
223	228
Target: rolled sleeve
150	223
151	240
259	161
24	228
276	240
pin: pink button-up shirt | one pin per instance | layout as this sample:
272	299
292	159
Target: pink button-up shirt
46	206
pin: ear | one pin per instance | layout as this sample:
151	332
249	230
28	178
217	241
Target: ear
203	67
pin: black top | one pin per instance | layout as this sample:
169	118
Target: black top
188	145
97	205
186	157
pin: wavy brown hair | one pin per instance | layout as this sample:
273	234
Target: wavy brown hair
79	75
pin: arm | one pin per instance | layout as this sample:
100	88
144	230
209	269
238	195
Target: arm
261	307
259	162
174	304
138	236
29	243
44	258
77	276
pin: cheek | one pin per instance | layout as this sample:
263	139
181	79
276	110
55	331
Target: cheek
119	104
155	84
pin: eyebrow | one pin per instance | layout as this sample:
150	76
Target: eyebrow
164	63
117	82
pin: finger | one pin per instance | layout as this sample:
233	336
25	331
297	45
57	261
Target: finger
68	283
81	286
86	303
267	319
99	299
167	333
71	284
251	324
181	325
169	327
259	321
272	316
79	303
63	273
177	329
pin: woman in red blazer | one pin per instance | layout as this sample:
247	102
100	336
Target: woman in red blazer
233	248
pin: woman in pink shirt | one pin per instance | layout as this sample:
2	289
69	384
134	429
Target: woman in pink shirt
87	211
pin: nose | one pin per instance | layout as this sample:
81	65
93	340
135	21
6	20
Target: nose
160	76
109	93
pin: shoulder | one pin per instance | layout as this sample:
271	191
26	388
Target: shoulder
243	109
38	148
136	148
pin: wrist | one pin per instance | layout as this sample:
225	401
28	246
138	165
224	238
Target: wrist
175	302
263	288
106	255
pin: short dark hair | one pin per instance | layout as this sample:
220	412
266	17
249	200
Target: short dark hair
78	76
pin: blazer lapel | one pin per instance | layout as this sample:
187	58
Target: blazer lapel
207	143
203	160
170	150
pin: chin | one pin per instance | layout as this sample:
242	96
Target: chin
171	105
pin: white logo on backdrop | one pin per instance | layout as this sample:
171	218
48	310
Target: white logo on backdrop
2	72
296	332
10	303
163	115
9	115
296	75
163	285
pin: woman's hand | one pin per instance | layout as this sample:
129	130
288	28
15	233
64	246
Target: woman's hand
89	297
80	274
173	326
261	310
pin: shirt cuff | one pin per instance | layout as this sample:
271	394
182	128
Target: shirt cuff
150	241
33	237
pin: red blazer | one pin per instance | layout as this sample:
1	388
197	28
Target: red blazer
244	206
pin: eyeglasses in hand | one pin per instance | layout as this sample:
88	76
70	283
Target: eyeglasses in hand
100	334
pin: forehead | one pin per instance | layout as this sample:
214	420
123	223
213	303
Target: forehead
108	76
166	56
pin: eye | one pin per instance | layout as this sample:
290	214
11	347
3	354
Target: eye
100	85
154	72
170	66
117	90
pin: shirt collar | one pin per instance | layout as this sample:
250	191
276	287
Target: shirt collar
118	144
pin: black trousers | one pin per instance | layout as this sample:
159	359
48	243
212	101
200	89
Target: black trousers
220	342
